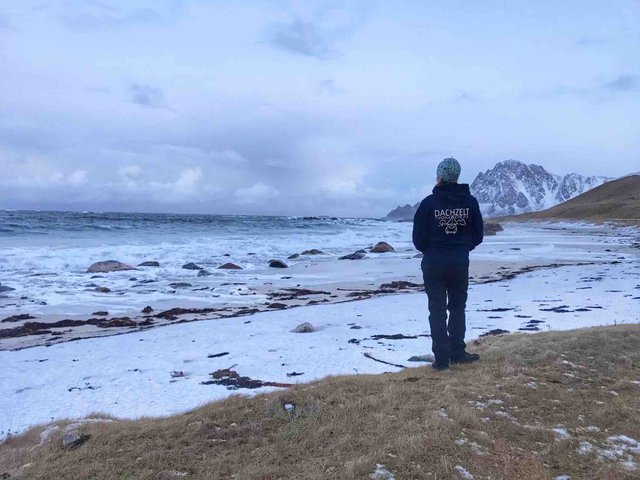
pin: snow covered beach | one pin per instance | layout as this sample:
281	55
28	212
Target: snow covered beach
160	371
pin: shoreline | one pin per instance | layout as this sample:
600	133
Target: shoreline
61	329
327	281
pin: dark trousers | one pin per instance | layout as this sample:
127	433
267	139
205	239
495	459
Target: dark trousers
446	285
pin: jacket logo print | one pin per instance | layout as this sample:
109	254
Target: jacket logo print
450	218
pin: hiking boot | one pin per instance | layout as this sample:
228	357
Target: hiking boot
466	358
439	366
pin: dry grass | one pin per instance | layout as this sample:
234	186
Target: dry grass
494	418
617	201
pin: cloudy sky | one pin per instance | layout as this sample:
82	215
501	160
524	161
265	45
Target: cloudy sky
305	107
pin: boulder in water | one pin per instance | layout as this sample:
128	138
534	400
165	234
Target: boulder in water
277	264
291	257
109	266
204	273
191	266
149	264
353	256
313	251
230	266
382	247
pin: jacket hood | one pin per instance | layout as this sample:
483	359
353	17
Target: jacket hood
452	190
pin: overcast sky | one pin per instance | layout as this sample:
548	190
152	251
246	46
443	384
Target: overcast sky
287	107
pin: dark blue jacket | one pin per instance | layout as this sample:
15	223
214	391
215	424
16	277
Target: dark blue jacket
448	224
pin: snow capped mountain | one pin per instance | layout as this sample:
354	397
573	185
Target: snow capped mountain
514	187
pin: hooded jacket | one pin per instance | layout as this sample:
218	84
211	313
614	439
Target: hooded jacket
448	224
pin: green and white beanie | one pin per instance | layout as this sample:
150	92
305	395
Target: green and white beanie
449	170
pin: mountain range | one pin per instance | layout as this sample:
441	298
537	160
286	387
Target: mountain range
513	187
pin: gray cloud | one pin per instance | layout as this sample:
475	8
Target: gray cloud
601	91
624	83
303	38
318	36
146	95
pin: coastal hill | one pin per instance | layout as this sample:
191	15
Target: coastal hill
617	200
513	187
538	406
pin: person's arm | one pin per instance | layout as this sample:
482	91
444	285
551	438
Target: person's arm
477	224
420	228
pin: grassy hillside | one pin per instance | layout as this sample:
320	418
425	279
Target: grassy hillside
617	200
495	419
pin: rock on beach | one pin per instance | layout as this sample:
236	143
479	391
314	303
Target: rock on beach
382	247
109	266
230	266
275	263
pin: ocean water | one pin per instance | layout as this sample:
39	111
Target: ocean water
44	255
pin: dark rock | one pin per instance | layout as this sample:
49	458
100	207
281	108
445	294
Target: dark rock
73	439
100	313
149	264
304	327
230	266
204	273
492	228
382	247
277	264
5	288
17	318
191	266
102	289
353	256
147	309
180	285
294	256
313	251
109	266
362	250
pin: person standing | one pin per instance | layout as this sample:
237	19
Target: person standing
446	227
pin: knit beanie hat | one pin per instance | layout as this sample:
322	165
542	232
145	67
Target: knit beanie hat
449	170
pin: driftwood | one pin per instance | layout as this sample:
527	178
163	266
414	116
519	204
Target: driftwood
368	355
